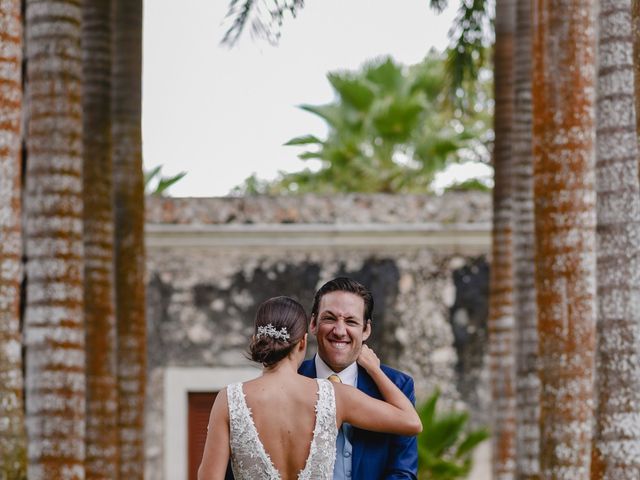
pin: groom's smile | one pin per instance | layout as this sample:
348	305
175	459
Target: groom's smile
340	329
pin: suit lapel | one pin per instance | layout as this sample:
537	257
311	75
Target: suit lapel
368	386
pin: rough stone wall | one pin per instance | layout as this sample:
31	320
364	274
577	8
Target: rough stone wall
201	306
458	207
430	306
468	322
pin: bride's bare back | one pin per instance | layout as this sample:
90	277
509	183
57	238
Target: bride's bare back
283	411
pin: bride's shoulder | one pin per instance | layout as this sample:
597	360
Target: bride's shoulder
222	397
314	385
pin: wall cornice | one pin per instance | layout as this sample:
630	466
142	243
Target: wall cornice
464	238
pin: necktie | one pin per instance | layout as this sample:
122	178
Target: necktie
345	430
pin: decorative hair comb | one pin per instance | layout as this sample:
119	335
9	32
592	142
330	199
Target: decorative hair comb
270	331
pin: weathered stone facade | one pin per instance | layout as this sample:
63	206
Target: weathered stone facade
463	207
212	261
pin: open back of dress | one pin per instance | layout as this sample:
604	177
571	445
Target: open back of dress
250	461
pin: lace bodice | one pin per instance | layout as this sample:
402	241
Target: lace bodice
250	461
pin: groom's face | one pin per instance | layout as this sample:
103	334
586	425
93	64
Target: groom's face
340	328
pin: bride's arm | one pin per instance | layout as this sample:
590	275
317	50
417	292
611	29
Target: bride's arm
395	415
216	449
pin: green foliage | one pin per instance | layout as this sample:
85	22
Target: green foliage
471	33
445	447
471	37
471	184
391	129
265	17
156	184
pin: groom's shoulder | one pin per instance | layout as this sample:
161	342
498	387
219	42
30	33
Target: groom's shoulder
307	368
397	377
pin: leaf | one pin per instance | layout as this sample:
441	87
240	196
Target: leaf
352	90
397	118
167	182
441	469
438	147
266	18
423	454
329	113
438	5
427	77
428	410
385	74
304	140
151	174
445	431
440	437
396	140
471	184
472	440
471	38
309	155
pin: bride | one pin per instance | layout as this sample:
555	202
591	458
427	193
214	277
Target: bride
283	425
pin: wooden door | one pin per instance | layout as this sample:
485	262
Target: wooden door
200	404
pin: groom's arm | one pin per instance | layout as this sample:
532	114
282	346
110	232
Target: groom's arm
402	461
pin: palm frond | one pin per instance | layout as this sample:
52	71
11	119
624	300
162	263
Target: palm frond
166	182
471	35
150	175
157	184
471	32
438	5
264	16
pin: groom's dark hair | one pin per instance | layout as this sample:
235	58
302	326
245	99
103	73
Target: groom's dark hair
345	284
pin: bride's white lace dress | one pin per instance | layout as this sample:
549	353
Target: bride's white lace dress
250	461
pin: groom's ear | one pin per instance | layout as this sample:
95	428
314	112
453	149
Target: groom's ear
367	331
313	325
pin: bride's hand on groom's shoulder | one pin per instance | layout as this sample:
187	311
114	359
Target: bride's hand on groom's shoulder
368	359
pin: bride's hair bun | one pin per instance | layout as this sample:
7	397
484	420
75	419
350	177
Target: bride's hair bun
281	322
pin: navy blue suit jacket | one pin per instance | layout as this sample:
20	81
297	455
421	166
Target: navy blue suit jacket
378	456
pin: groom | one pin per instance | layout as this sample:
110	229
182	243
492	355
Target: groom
341	321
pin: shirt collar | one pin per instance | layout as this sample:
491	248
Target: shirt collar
349	375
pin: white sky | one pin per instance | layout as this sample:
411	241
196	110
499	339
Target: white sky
221	114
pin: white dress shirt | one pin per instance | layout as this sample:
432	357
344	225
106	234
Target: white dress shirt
348	376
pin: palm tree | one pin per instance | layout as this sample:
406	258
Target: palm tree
635	19
617	429
501	320
54	315
99	295
12	433
384	112
565	217
129	230
527	380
